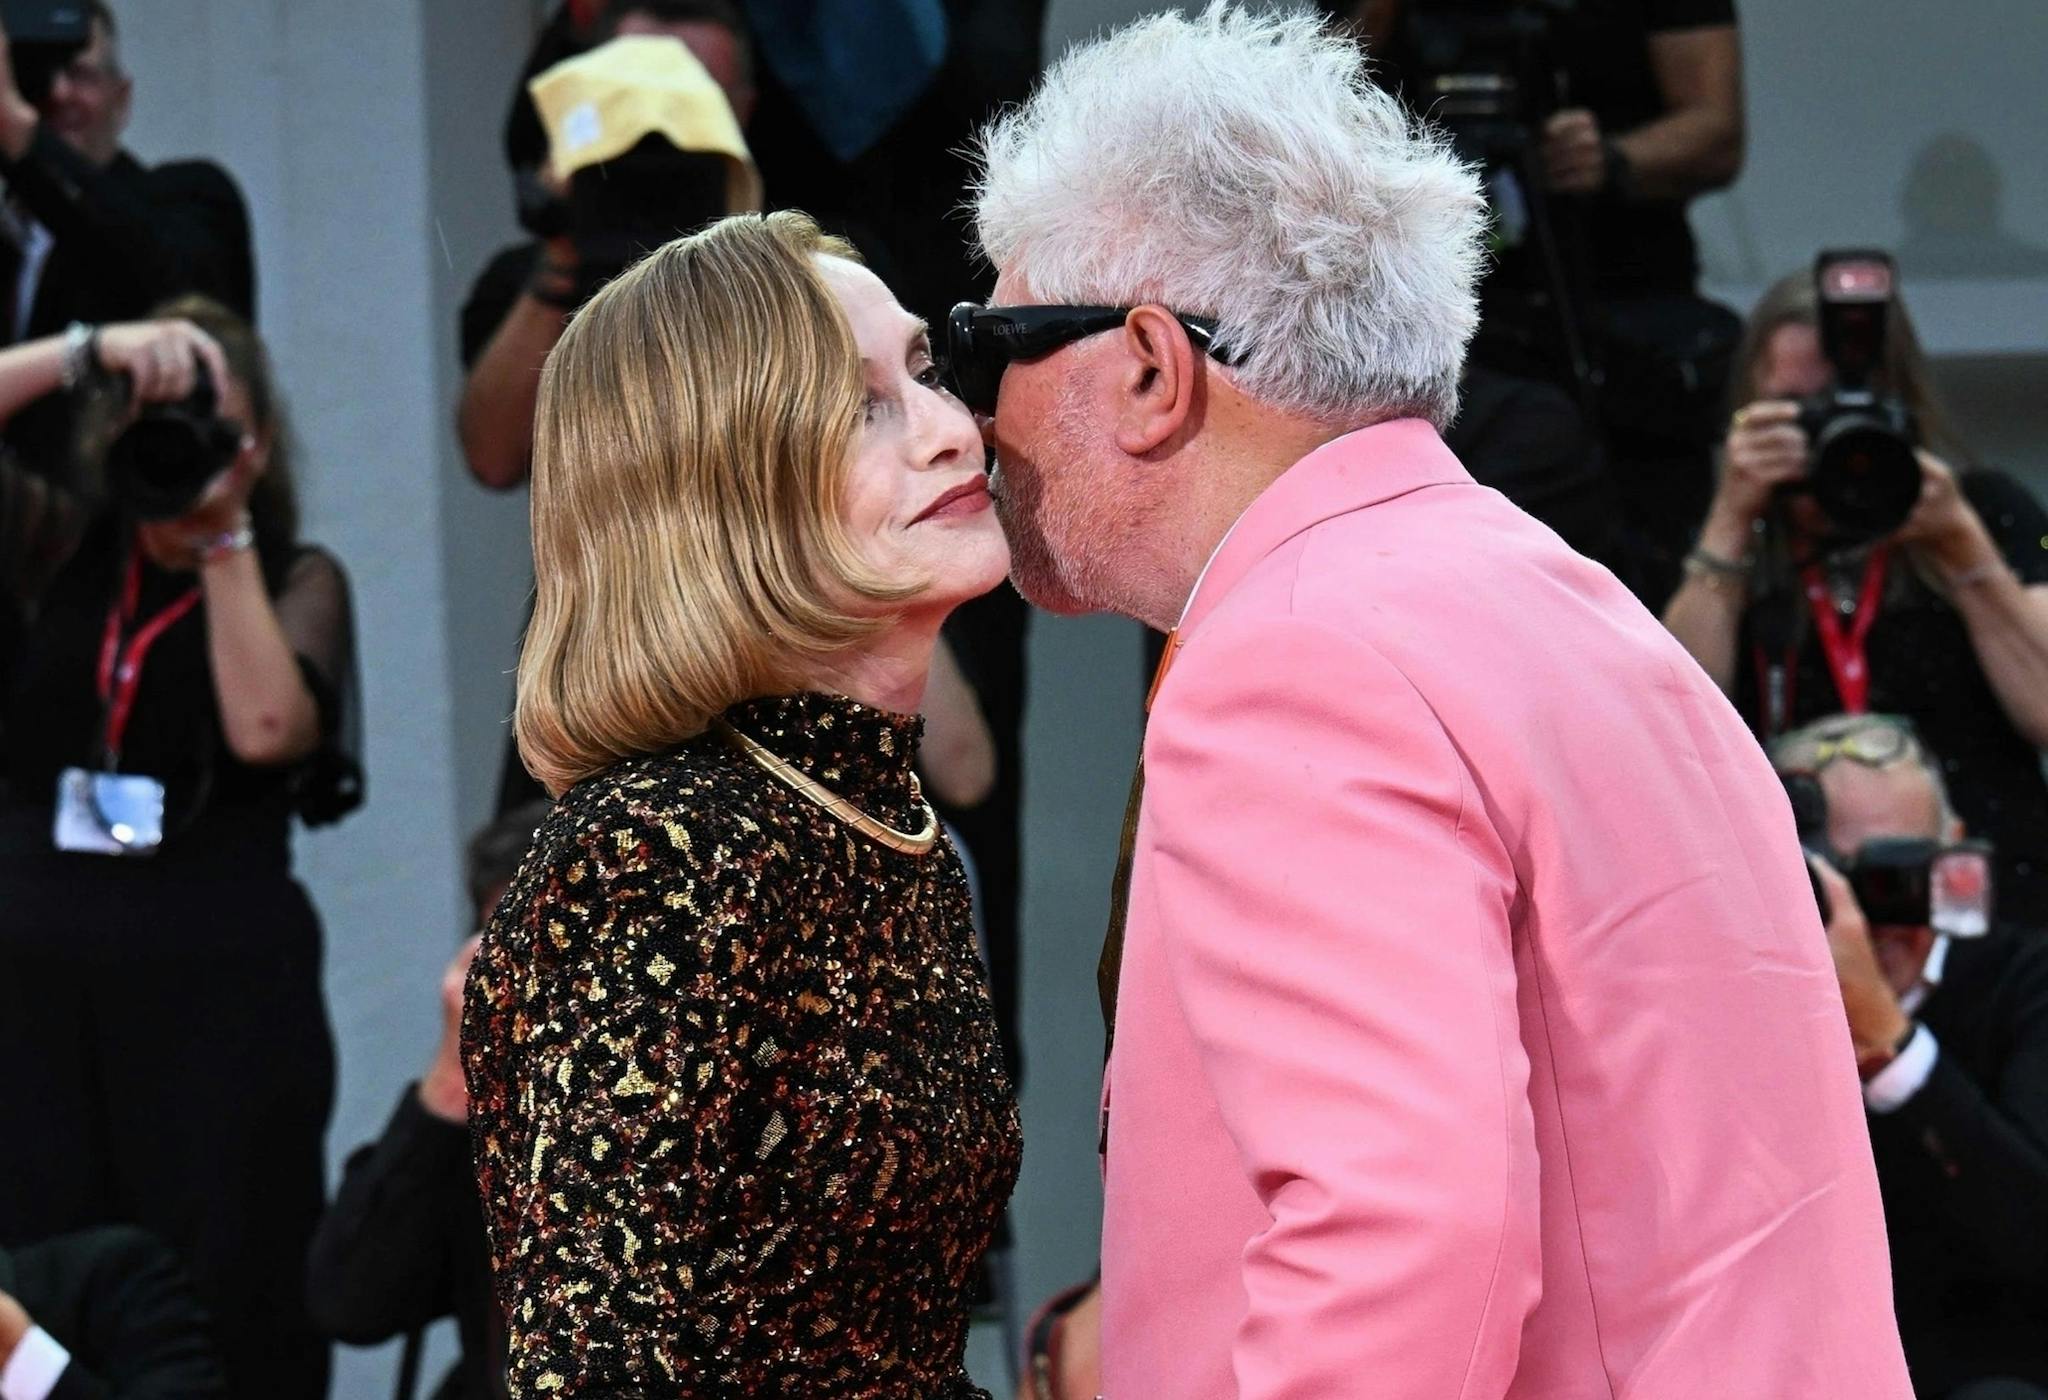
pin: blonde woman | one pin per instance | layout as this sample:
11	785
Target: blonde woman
739	1112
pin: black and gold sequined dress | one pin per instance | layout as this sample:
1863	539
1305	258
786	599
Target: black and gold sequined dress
740	1117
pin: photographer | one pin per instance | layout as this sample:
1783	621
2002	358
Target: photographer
1932	607
1597	123
1951	1036
179	686
88	233
403	1244
522	299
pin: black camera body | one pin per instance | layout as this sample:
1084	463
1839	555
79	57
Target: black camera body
622	210
1862	471
1485	71
43	36
1899	881
161	464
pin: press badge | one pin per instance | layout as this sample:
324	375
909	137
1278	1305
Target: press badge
109	814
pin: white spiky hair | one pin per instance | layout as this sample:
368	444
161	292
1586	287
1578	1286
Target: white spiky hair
1243	165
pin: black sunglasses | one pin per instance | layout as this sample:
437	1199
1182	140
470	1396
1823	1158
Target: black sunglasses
983	341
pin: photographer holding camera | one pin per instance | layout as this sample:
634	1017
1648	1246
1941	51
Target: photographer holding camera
88	233
1595	123
603	213
180	684
1853	559
1948	1010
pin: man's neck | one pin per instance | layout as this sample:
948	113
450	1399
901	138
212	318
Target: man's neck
1255	448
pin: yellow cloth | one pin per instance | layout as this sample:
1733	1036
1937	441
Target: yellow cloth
599	105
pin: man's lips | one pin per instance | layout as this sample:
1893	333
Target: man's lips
967	497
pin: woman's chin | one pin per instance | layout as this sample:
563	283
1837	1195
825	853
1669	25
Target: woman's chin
970	564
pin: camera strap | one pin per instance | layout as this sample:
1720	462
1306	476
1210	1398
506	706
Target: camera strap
1844	647
120	668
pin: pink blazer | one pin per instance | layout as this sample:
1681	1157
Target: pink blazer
1476	1032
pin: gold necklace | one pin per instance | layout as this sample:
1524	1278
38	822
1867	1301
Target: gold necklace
910	843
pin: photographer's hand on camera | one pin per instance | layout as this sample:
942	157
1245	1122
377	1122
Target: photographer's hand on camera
1877	1022
159	359
1765	449
1944	531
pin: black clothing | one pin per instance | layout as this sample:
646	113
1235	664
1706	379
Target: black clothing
50	710
900	203
403	1244
741	1121
987	636
1604	45
491	297
127	237
116	1300
1922	666
1527	440
163	1014
1963	1167
1599	54
172	1066
1607	276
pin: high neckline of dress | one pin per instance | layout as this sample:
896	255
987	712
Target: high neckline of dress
861	753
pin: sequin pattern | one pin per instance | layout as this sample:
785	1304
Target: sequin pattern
740	1117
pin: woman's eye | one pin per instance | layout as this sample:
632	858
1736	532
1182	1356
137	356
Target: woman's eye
933	376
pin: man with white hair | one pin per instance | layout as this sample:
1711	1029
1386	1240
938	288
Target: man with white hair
1474	1033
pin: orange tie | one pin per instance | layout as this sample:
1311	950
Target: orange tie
1111	964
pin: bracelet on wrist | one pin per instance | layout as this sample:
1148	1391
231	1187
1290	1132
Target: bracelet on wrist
1717	571
211	549
1703	558
81	354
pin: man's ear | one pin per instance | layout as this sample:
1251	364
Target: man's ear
1158	383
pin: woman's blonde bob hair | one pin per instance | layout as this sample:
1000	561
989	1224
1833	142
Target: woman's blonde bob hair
689	451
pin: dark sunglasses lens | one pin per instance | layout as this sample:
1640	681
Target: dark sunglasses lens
975	373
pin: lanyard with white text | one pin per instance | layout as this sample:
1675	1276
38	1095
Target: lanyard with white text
120	669
1844	648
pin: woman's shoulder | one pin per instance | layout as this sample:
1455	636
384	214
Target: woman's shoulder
646	826
654	855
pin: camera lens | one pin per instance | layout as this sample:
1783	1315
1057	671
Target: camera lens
1864	475
162	463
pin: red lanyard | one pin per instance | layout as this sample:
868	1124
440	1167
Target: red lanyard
1844	649
120	673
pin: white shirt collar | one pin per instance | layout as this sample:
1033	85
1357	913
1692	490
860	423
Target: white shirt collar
1930	976
1209	564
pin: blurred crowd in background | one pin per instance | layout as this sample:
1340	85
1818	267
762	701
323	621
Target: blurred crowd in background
178	674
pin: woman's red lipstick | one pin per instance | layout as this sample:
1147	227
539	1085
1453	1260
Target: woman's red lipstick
965	499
